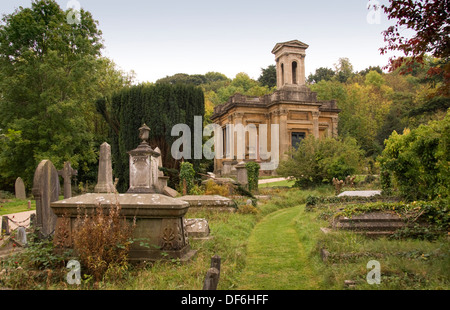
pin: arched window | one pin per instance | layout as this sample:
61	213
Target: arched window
282	74
294	72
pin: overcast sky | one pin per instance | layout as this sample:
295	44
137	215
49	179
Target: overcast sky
160	38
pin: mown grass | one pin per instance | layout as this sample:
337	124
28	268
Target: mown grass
16	205
286	183
278	255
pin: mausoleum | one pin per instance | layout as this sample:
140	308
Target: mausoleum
293	107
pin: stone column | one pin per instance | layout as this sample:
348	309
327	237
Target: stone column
334	125
105	176
284	134
302	71
315	116
240	142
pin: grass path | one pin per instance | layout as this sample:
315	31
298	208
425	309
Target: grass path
278	253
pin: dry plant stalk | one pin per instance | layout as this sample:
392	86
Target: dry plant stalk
102	240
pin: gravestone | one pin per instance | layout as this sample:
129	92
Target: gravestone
105	175
209	203
21	236
5	225
20	189
158	218
197	228
46	190
242	176
67	172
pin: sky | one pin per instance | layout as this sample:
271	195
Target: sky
156	39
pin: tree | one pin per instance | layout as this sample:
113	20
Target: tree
325	74
430	22
344	70
268	76
161	106
49	70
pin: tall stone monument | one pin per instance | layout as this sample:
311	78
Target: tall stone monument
143	178
105	176
159	218
67	172
46	189
20	189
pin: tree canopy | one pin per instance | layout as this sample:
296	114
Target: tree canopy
51	72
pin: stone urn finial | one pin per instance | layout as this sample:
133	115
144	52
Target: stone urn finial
144	133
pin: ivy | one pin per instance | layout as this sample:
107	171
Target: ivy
253	175
187	173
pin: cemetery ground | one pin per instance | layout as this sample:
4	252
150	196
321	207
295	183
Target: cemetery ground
277	245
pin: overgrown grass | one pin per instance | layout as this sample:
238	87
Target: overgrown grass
405	264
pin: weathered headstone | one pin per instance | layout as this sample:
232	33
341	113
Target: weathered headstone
159	162
67	172
5	225
168	191
197	228
213	275
46	189
105	175
21	236
20	189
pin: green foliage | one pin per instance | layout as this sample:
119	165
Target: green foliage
321	73
187	173
50	74
268	76
318	161
253	175
161	106
418	160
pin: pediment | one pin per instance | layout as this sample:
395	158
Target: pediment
292	44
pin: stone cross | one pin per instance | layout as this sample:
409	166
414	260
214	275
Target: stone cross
20	189
46	189
105	175
67	172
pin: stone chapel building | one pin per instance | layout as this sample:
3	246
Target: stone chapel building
293	106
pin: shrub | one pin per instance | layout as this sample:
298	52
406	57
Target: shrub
253	175
318	161
212	188
418	161
102	240
187	174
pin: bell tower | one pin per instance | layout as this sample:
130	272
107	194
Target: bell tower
290	59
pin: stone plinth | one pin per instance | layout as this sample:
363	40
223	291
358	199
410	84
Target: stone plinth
209	202
159	222
360	193
372	224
